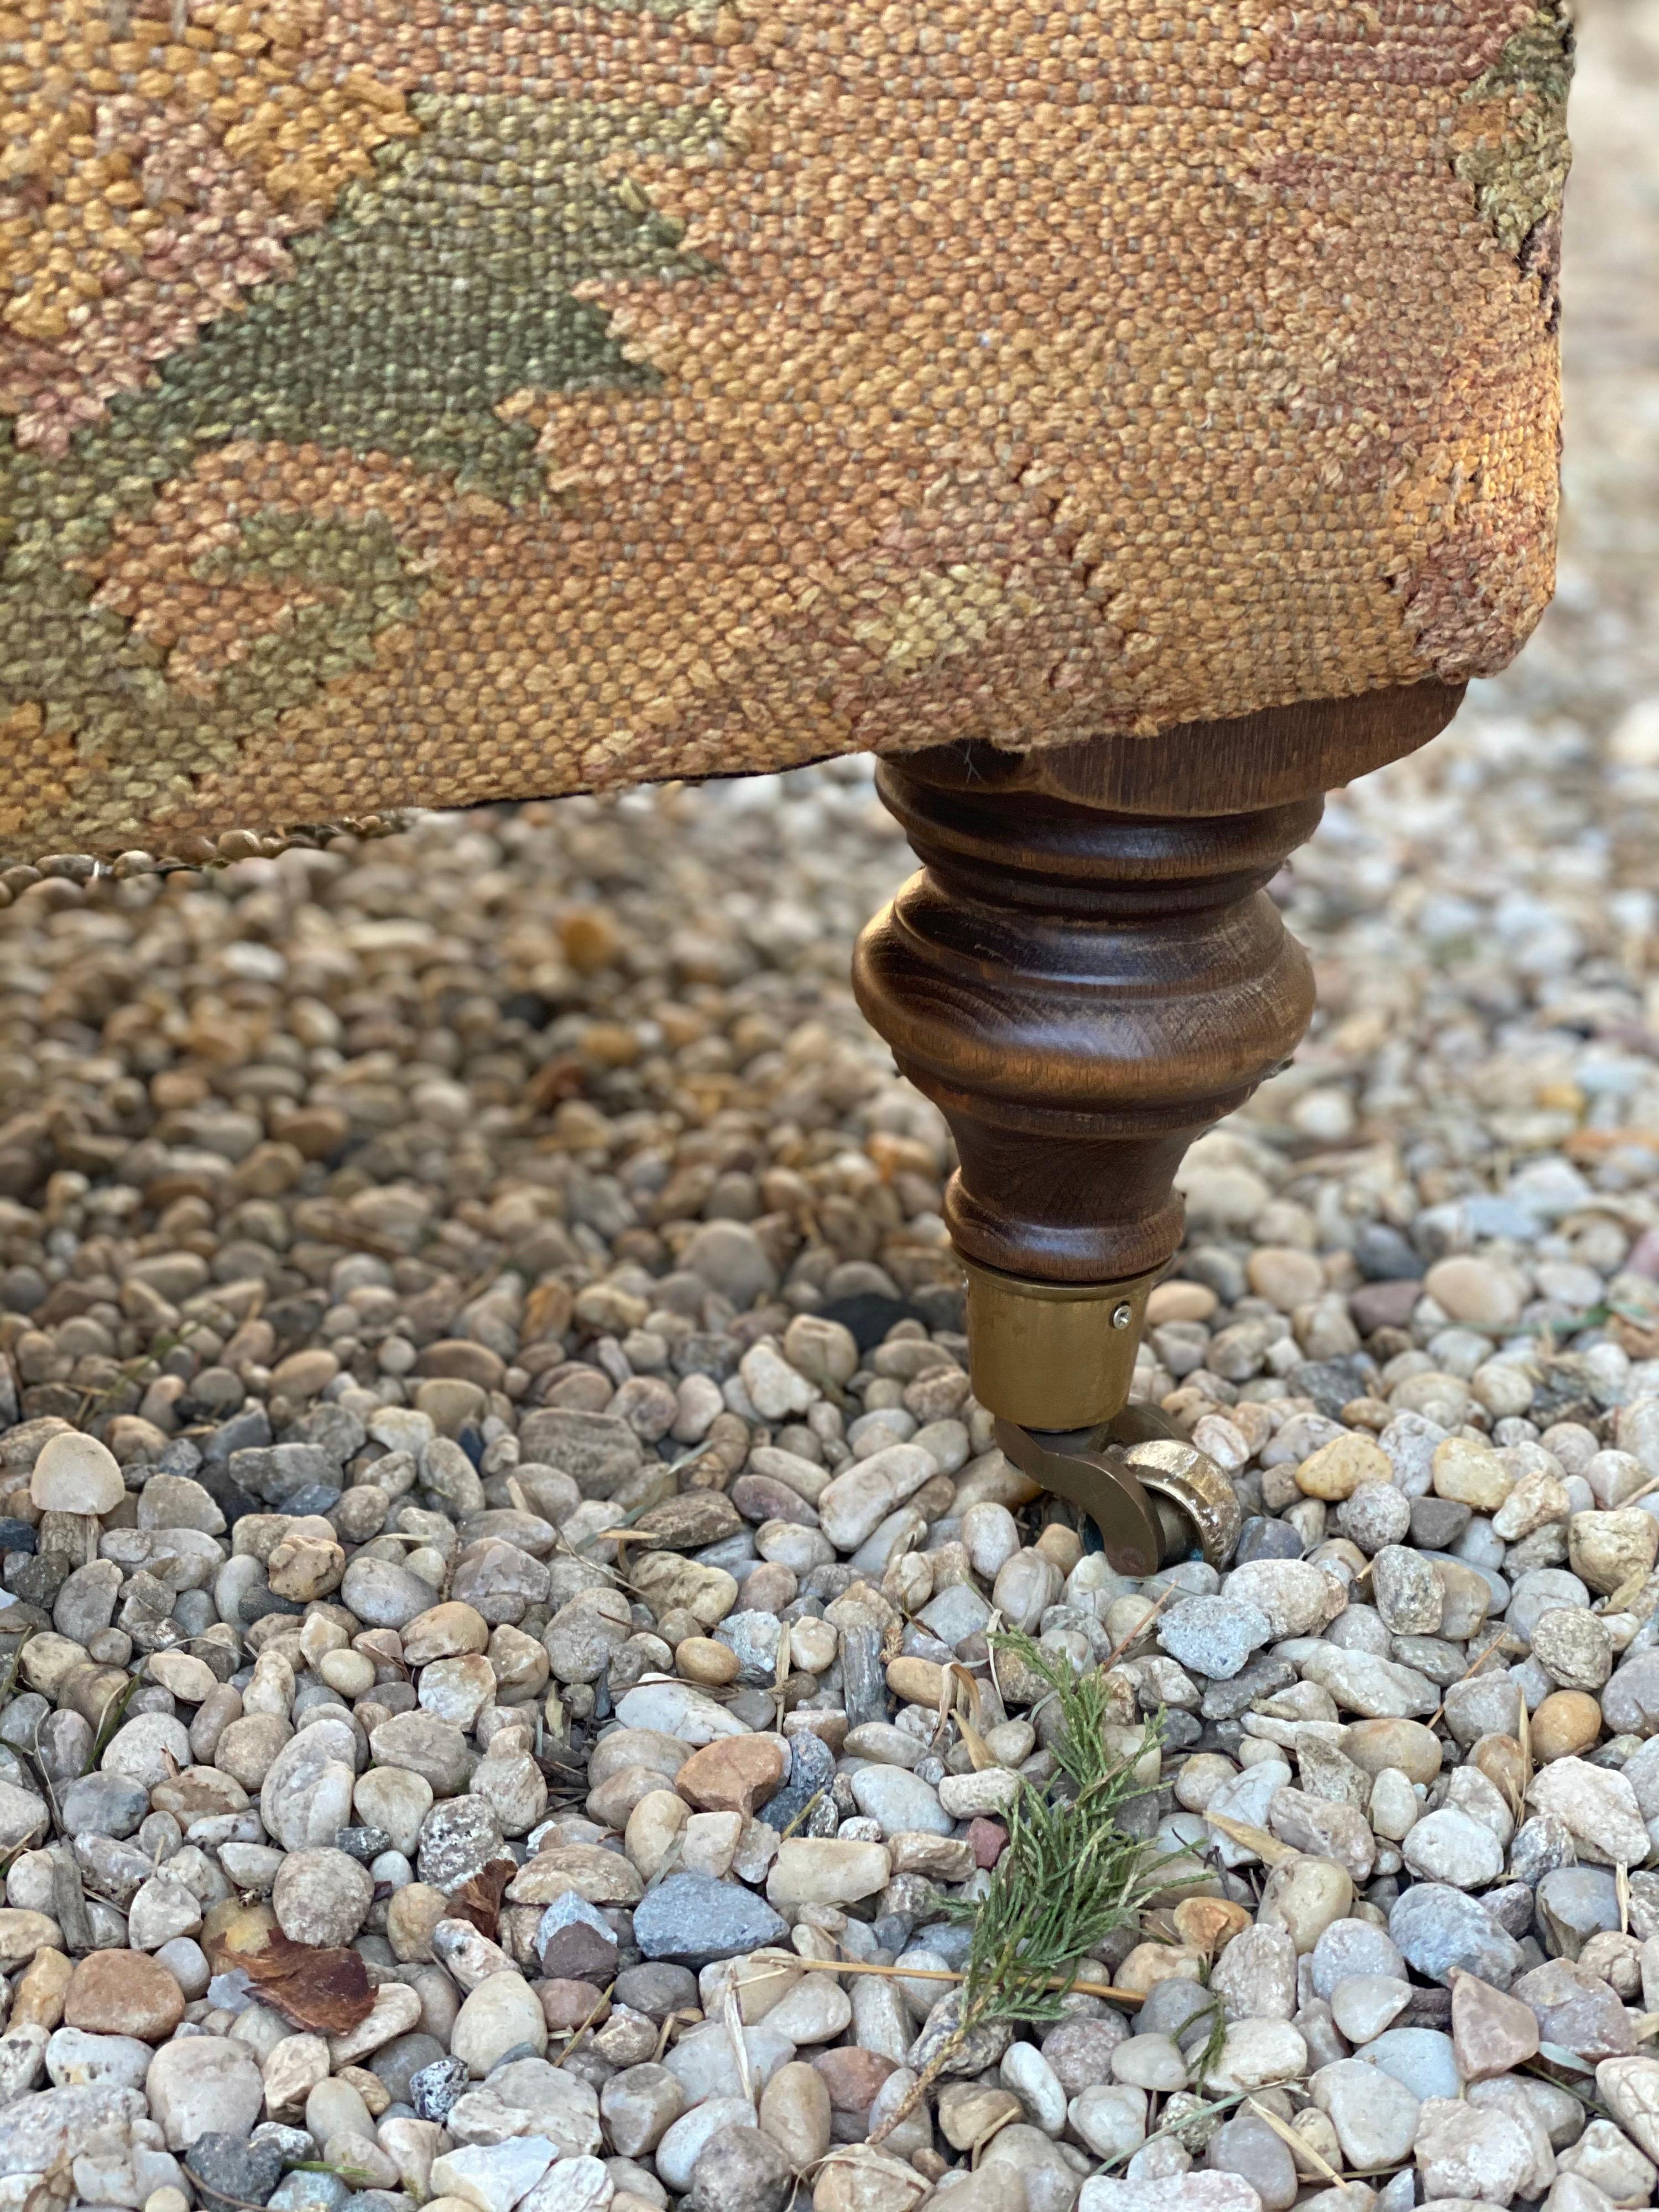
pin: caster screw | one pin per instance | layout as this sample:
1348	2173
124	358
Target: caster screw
1122	1315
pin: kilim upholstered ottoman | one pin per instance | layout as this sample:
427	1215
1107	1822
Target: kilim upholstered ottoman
1128	419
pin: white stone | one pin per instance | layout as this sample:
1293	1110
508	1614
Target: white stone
705	2064
201	2082
640	2105
22	2060
1377	1689
529	2097
1149	2062
1605	2157
1598	1807
881	2018
775	1389
816	2010
76	1474
305	1799
1298	1598
1629	2087
1464	2152
903	1803
335	2109
412	2145
38	2133
992	1790
1176	2192
321	1897
501	2013
146	1749
1245	1799
826	1870
675	1709
1375	2115
397	2011
1255	2053
493	2176
120	2062
161	1912
685	2142
1394	1806
1449	1846
1034	2082
24	1818
1363	2005
572	2185
852	1506
992	1535
392	1798
1111	2120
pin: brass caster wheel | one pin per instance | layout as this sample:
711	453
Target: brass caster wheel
1154	1498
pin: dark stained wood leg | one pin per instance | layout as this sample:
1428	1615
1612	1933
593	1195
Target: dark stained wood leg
1081	992
1086	974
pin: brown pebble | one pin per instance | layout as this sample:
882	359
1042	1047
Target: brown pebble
1337	1469
566	2004
733	1775
1503	1762
989	1839
761	1497
369	2086
852	2077
315	1132
38	1996
1179	1301
1376	1744
449	1403
303	1374
1060	1544
699	1659
124	1993
1567	1723
458	1359
768	1589
916	1681
1209	1923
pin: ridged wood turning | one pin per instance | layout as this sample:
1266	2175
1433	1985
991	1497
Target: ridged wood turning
1081	992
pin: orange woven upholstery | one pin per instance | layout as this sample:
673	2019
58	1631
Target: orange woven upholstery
419	401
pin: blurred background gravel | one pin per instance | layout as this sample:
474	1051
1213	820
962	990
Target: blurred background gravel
381	1091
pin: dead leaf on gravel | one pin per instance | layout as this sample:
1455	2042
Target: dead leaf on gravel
479	1900
321	1992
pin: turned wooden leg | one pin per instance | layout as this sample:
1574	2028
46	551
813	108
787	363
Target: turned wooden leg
1086	973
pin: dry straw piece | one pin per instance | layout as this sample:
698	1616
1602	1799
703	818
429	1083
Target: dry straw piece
419	405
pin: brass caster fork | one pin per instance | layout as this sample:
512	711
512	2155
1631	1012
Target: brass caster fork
1154	1497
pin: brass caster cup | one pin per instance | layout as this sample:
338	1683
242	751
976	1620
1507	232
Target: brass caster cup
1054	1362
1053	1356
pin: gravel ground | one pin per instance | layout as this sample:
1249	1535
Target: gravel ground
489	1495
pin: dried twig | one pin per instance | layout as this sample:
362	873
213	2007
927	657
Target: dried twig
1139	1630
804	1814
1294	2142
107	1726
580	2033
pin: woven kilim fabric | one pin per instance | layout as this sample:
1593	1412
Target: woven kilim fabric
418	402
